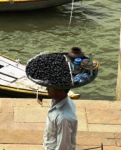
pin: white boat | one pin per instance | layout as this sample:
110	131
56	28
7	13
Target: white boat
14	82
18	5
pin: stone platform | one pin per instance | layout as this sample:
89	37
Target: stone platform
22	123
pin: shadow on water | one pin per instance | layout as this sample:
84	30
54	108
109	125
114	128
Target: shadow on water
29	20
43	19
35	19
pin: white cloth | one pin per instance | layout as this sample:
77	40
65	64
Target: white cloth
61	126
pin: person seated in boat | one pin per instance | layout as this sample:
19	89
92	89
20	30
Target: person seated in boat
76	52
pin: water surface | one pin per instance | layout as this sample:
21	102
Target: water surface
94	27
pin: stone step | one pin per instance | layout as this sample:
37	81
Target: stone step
21	137
36	137
22	123
22	102
40	147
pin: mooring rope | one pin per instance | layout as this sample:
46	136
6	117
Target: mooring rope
37	94
71	12
72	8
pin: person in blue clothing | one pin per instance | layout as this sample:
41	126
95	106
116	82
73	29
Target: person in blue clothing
61	124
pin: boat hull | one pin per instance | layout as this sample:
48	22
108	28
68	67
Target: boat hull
31	5
15	93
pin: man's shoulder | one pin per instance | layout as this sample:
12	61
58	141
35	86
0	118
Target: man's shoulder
67	114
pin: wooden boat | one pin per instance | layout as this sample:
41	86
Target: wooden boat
14	83
14	5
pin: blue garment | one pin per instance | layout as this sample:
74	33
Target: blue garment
81	77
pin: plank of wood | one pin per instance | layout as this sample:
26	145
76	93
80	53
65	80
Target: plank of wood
12	63
3	82
12	71
3	63
6	78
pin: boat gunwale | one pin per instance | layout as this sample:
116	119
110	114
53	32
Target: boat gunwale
20	1
20	90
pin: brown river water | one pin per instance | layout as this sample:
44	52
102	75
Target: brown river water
94	27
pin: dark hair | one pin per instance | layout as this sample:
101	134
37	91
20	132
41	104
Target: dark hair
76	50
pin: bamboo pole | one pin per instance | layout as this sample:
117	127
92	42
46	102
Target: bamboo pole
118	88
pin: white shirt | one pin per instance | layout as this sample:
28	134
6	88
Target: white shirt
61	126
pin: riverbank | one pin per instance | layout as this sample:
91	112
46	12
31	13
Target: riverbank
22	123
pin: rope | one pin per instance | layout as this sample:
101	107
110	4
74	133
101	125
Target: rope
37	94
17	62
71	12
37	98
72	8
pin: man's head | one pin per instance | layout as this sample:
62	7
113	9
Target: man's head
75	52
57	94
